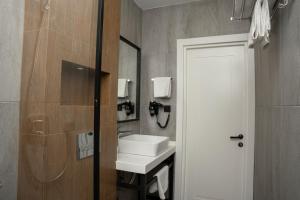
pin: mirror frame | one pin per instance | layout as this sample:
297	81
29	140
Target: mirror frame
138	80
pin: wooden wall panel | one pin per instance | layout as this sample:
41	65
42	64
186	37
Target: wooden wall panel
48	164
110	56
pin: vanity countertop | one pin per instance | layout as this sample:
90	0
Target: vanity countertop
142	164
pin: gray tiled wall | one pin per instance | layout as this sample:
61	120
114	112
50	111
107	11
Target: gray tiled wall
9	132
161	28
11	34
131	22
11	39
277	157
131	29
277	154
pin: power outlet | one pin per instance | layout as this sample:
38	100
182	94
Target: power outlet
167	109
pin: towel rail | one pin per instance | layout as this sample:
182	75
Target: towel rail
279	4
152	79
144	181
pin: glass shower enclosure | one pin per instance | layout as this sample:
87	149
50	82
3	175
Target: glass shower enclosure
60	100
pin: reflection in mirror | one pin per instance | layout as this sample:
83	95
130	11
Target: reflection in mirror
128	81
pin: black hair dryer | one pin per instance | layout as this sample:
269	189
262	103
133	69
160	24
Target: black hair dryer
128	106
154	108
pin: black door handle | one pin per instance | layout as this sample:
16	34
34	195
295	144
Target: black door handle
239	137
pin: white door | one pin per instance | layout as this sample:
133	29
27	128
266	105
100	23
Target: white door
216	108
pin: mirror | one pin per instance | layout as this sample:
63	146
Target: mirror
129	81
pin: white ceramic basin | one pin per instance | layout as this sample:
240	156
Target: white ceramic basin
144	145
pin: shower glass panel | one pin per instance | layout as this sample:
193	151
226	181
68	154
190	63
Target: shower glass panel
57	100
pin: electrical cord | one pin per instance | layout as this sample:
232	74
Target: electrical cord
154	108
166	124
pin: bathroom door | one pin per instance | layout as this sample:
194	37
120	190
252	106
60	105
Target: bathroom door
217	123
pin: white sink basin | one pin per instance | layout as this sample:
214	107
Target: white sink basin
144	145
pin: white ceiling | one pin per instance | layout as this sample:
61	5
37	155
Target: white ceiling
149	4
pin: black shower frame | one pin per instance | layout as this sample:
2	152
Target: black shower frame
97	103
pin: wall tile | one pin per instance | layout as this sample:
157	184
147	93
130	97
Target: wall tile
289	55
278	64
11	42
9	132
58	168
82	20
263	148
131	22
48	129
133	126
131	29
13	4
62	17
11	49
268	71
285	154
59	48
34	74
277	90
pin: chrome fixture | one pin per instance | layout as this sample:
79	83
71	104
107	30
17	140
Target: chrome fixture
125	133
279	4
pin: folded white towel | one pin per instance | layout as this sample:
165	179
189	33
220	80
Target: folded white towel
162	182
261	24
162	87
122	88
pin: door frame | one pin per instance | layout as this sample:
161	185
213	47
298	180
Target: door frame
183	45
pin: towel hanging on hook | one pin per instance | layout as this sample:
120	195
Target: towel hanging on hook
279	4
261	24
162	87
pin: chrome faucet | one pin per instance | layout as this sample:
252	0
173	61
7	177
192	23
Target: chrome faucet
123	134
